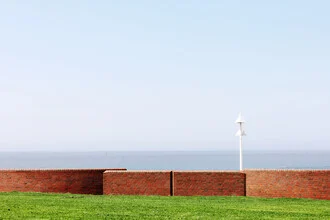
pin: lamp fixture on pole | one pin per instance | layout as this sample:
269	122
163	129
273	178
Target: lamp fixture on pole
240	120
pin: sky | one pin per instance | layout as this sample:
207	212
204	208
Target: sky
164	75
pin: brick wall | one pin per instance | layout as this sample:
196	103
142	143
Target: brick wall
288	183
81	181
137	183
261	183
208	183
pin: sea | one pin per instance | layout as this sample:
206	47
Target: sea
166	160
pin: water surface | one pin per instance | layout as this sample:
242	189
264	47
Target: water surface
167	160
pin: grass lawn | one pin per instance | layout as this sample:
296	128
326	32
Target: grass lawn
69	206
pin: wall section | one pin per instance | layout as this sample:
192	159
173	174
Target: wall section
80	181
261	183
209	183
137	183
313	184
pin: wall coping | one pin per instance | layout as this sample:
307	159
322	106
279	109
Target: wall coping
70	169
184	171
208	171
174	171
137	171
290	170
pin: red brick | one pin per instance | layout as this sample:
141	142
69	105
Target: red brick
209	183
137	183
81	181
288	183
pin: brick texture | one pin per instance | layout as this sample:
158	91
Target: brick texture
208	183
288	183
261	183
82	181
137	183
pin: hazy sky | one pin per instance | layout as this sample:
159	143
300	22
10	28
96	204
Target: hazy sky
164	75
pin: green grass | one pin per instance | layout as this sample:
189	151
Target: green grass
69	206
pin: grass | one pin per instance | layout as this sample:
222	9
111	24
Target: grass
17	205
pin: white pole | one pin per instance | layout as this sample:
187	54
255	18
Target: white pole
240	133
240	150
